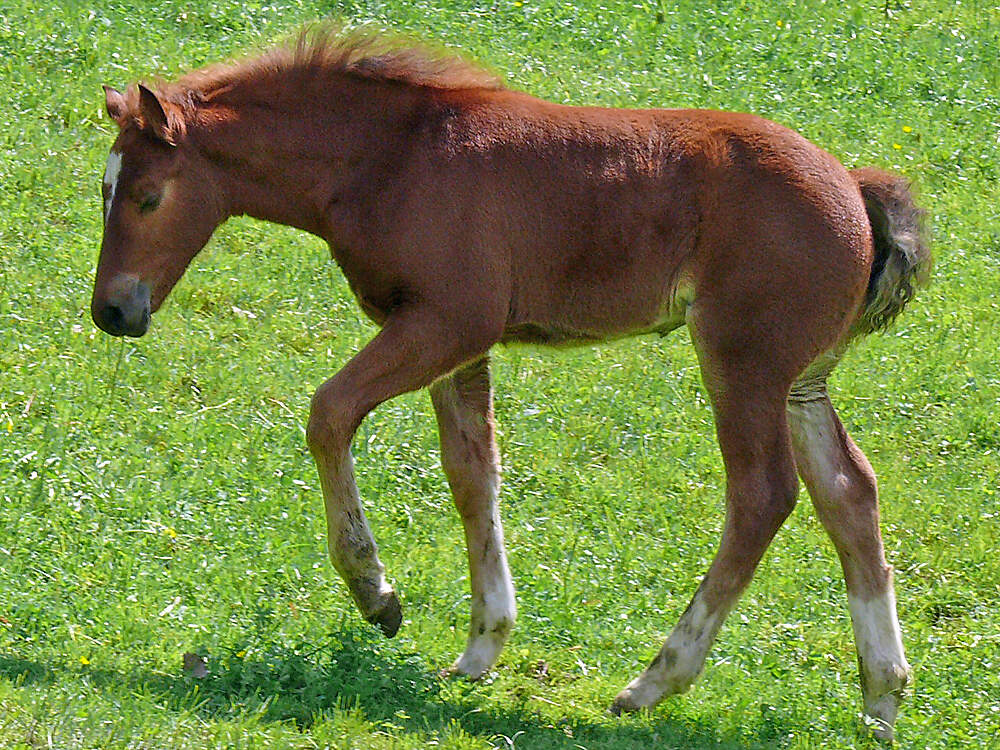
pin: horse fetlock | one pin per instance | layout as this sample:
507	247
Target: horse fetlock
494	612
882	678
355	556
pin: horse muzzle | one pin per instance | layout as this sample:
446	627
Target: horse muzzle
123	309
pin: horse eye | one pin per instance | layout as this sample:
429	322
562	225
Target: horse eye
149	203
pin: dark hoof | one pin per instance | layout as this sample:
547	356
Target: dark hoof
389	617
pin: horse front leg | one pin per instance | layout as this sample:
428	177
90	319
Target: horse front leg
463	403
410	352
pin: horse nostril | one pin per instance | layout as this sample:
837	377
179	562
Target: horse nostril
114	318
121	307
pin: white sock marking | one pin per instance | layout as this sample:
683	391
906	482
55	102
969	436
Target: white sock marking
690	641
876	629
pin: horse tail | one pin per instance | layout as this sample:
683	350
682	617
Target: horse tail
902	252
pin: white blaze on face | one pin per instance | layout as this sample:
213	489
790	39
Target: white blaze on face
111	173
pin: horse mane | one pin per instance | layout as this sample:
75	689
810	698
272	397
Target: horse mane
323	49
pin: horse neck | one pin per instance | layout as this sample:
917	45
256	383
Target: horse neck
289	158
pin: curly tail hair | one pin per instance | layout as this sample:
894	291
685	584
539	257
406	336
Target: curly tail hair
902	252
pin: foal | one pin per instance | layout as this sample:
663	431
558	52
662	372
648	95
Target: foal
464	214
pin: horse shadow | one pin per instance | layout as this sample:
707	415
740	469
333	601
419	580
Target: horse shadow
354	671
24	672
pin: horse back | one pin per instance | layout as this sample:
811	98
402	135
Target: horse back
586	223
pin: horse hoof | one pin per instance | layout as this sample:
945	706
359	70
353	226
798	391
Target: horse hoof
883	687
880	717
623	704
883	733
389	616
456	672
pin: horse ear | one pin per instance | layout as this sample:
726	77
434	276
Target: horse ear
154	116
114	101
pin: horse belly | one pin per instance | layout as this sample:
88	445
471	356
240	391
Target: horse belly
604	295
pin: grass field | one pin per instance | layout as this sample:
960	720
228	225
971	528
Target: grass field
157	496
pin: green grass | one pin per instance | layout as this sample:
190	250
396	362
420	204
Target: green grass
157	497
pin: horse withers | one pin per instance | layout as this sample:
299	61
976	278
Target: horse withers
464	214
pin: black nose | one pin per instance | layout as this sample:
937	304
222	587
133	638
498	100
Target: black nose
124	314
113	319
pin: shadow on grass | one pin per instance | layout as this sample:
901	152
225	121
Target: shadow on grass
357	670
24	672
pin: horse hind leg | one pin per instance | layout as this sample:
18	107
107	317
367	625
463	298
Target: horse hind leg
842	486
761	490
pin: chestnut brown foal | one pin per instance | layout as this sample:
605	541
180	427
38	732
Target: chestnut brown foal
464	214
